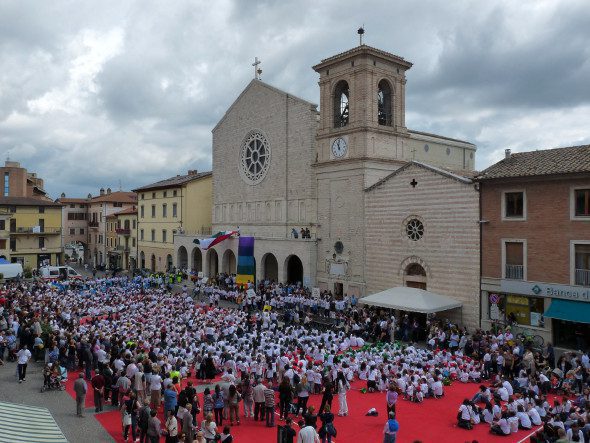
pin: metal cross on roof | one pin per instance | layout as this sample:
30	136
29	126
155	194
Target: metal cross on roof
257	71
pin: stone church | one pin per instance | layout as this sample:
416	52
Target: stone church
345	198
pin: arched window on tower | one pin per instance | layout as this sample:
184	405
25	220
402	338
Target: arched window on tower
384	108
341	95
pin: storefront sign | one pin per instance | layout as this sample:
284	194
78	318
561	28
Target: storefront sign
540	289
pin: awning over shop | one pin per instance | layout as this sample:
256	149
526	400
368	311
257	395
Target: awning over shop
569	310
23	423
411	299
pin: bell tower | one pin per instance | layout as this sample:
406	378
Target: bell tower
362	104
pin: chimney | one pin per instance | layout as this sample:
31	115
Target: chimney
192	172
108	191
101	191
507	153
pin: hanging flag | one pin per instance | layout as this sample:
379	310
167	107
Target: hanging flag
206	243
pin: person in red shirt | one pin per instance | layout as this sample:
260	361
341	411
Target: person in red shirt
98	384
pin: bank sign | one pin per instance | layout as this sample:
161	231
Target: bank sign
540	289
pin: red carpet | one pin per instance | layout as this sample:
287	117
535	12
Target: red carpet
431	421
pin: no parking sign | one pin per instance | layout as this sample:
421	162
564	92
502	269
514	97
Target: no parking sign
494	299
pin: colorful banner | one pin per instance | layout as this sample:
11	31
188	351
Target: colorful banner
246	264
206	243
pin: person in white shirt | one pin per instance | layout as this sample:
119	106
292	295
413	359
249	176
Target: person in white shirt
23	356
513	422
464	415
533	413
524	421
501	426
308	434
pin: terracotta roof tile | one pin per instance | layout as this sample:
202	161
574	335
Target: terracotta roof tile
174	181
26	201
116	197
571	160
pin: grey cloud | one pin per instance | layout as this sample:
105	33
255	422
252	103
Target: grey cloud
497	74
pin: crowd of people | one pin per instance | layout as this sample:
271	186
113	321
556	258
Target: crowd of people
142	349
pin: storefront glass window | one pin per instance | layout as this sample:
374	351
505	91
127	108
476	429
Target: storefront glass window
567	334
526	311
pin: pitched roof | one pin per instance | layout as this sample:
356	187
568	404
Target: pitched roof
258	83
115	197
570	160
71	200
363	49
172	182
428	167
26	201
127	211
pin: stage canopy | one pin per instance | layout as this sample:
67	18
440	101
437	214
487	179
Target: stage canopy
411	299
26	424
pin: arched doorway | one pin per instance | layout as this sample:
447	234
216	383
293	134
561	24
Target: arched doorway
415	276
294	270
228	263
153	263
197	260
169	262
270	267
142	260
212	262
182	258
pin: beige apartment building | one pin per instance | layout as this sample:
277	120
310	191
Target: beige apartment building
179	205
33	220
74	221
5	216
99	208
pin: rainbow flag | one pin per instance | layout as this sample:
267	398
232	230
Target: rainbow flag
246	264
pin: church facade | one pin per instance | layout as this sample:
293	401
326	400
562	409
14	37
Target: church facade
315	187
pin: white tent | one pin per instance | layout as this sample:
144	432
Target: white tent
411	299
26	424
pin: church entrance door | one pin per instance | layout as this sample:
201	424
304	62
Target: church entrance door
294	269
271	267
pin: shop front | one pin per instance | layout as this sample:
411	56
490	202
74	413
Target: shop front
560	314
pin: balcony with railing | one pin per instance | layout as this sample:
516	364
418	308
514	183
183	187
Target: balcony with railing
93	224
583	277
123	231
122	248
514	272
36	230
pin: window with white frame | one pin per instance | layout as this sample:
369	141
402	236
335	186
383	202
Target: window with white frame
514	205
580	203
580	251
514	259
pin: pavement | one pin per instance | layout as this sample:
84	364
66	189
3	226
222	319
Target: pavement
59	403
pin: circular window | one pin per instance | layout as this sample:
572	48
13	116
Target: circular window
426	148
414	229
339	247
254	158
448	151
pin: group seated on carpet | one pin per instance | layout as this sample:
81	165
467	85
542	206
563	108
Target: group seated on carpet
524	411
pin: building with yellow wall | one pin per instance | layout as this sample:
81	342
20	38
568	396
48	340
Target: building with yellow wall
126	230
181	204
34	231
5	216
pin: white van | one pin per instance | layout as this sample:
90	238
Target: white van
59	273
11	270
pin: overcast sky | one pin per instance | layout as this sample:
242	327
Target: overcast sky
95	92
